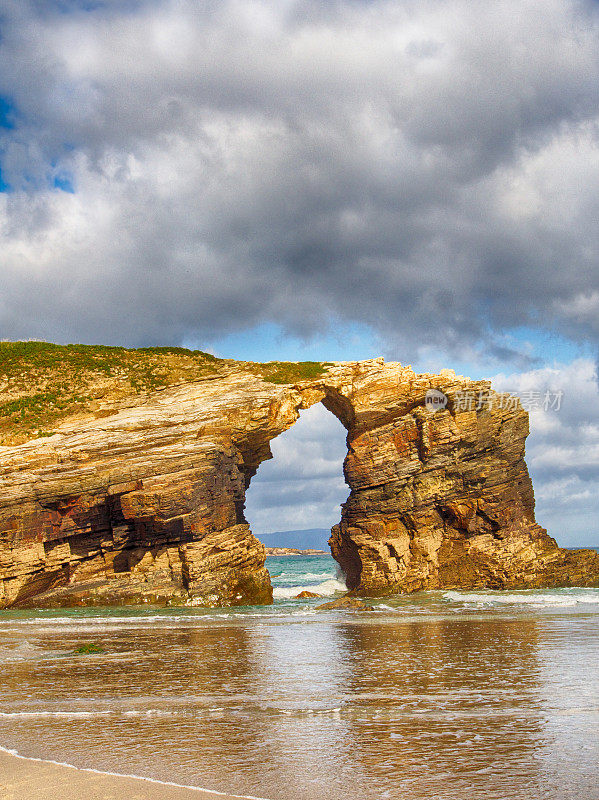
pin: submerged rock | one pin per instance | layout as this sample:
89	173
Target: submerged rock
345	603
141	499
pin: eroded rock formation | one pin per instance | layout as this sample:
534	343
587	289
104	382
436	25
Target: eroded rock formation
142	501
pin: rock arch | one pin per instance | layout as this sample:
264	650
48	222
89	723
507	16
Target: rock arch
144	502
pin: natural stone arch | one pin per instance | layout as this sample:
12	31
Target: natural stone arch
144	502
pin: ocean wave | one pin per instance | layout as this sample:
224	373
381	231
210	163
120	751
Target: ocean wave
106	621
524	598
326	589
87	620
147	713
307	576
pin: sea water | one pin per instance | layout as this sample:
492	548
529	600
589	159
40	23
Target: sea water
291	575
445	695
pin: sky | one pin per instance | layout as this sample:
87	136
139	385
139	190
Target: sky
317	179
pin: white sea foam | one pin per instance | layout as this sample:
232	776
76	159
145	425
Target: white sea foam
106	622
53	714
16	754
88	620
21	652
326	589
309	576
564	599
314	711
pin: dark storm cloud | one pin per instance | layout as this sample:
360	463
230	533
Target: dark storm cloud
405	164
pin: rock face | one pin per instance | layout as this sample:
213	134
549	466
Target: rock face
143	501
344	604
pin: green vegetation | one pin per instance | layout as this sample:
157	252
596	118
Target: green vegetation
42	383
32	411
143	365
292	372
87	649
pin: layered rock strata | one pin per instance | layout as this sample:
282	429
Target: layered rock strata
143	501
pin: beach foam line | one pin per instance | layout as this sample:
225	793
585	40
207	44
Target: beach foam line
57	714
512	598
93	771
98	624
314	711
105	619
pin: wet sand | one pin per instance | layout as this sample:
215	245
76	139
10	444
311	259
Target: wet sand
478	695
22	778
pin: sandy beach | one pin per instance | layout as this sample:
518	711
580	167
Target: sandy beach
22	778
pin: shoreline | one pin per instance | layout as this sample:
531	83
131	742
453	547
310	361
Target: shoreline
41	779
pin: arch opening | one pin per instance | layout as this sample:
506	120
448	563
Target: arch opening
295	498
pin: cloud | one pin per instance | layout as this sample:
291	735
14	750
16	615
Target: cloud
409	166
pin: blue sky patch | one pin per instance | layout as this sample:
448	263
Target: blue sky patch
64	182
4	187
7	113
268	342
354	342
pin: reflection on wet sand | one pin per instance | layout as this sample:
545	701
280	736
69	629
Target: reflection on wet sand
451	707
294	709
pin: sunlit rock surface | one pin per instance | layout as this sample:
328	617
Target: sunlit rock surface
142	501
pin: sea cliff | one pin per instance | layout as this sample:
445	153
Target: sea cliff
135	493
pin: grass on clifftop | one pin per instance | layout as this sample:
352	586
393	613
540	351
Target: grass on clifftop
42	384
292	371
